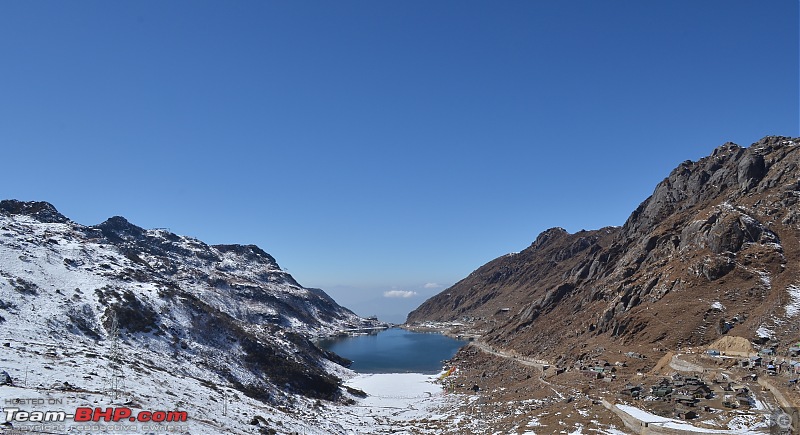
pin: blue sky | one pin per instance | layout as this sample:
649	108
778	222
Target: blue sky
377	147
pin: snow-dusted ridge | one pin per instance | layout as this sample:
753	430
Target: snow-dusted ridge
208	321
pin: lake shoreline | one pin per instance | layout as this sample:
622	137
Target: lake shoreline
456	331
395	350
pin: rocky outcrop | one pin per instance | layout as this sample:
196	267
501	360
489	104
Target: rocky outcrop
39	210
722	229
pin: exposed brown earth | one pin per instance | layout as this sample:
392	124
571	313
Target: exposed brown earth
713	254
511	394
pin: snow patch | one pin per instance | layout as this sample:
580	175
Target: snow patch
670	423
764	332
793	307
765	279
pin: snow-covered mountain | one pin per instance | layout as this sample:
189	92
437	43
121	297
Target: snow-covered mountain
143	313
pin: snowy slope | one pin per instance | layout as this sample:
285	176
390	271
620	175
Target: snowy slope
199	327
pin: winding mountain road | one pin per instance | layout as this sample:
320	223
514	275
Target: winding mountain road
510	355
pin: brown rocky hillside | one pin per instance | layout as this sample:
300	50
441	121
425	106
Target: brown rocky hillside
714	251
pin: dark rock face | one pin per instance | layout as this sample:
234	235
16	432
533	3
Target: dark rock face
249	252
40	210
118	228
5	379
751	170
715	267
725	228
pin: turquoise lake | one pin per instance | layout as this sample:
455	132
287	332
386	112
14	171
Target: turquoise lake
395	350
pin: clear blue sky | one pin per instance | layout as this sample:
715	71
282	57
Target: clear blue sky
376	146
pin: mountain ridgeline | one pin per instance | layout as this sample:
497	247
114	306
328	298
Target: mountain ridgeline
223	314
714	250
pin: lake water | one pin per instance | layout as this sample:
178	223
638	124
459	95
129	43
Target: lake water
395	350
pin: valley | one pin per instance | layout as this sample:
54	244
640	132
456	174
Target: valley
682	320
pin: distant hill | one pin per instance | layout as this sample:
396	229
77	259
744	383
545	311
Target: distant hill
714	251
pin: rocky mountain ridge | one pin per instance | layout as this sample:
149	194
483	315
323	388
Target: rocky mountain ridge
713	251
227	315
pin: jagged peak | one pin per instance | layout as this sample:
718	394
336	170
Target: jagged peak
732	149
39	210
547	235
251	252
119	226
725	148
730	168
776	141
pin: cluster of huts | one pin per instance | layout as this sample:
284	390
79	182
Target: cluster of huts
598	369
686	396
771	367
768	363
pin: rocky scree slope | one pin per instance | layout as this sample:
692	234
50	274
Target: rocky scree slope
224	314
715	250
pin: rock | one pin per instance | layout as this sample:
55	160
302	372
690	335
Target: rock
717	266
726	235
751	170
39	210
710	230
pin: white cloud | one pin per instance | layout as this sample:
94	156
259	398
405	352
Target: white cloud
399	294
433	285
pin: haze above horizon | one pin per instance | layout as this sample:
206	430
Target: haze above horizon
380	151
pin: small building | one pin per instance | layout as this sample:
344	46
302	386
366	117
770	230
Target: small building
734	387
691	380
744	400
634	391
702	392
591	374
684	399
661	391
730	402
712	352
